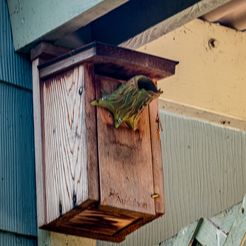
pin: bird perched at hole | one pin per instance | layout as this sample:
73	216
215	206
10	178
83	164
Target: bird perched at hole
127	102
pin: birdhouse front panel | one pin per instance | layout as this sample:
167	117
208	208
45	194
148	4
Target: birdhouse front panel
125	158
101	163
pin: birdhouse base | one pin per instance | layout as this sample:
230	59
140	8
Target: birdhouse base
103	223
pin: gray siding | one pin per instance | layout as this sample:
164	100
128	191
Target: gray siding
204	166
17	190
17	173
10	239
14	68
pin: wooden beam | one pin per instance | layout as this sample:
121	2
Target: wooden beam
38	146
166	25
104	55
51	20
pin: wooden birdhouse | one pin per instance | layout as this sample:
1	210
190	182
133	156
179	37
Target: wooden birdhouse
94	180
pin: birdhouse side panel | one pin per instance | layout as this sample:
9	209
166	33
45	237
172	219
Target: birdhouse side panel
91	133
155	129
64	142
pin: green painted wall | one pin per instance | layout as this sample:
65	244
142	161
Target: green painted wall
33	19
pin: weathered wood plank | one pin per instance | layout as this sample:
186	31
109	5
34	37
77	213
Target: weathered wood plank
184	238
41	206
225	220
91	133
46	51
155	129
111	61
237	234
65	147
210	234
128	154
226	228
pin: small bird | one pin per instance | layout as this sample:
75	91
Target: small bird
127	102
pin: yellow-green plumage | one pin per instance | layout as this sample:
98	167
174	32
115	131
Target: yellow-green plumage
127	102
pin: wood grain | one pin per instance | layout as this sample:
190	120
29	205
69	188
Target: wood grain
64	143
41	203
111	61
91	133
155	128
47	51
126	179
104	222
